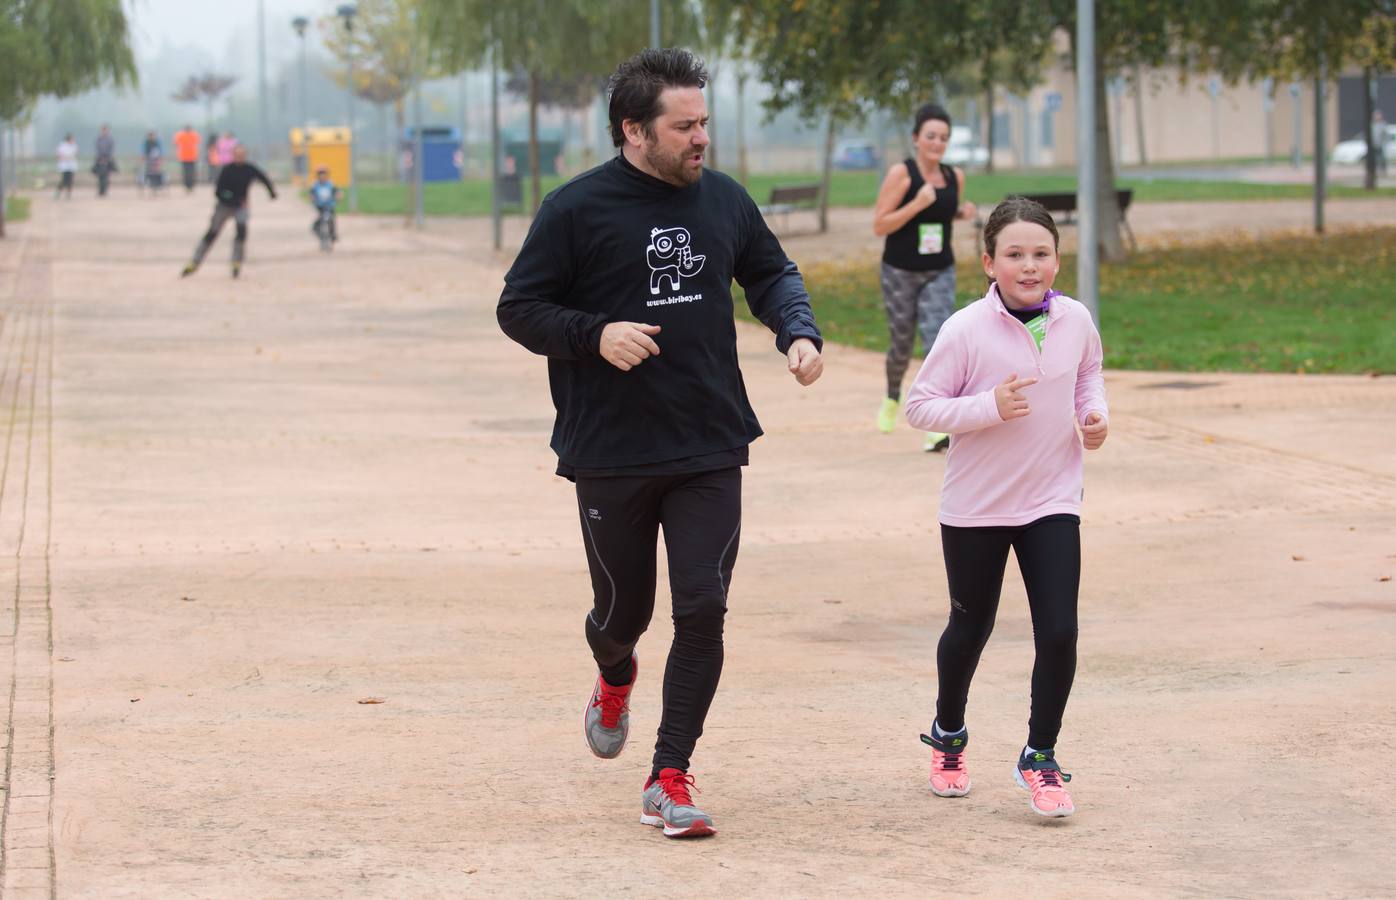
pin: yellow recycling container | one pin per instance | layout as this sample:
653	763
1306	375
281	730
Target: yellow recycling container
313	148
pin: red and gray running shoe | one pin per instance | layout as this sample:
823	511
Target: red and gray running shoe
606	720
667	804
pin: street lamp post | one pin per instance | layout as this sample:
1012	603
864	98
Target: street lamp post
347	11
264	149
300	23
418	162
1087	198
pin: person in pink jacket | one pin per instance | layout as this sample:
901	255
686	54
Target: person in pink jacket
1010	379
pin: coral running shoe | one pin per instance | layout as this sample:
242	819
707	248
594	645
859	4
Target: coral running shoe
606	721
948	775
1039	773
666	803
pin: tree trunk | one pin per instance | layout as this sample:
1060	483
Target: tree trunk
741	124
1112	245
828	173
588	137
388	142
989	117
1139	114
712	115
534	175
2	180
1320	147
395	154
1369	165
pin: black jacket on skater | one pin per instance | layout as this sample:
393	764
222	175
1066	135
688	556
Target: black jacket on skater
618	245
234	180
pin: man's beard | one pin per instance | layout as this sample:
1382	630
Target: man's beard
673	168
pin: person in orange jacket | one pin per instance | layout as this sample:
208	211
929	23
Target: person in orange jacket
186	142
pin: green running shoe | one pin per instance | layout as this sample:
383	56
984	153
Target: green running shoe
887	415
935	441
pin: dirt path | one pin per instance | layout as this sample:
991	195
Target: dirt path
232	511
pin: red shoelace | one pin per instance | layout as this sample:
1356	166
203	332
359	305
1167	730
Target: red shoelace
676	785
612	704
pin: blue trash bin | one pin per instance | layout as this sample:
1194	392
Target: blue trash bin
440	151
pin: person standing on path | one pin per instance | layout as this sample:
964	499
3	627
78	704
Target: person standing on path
227	145
104	162
624	283
1013	479
152	163
186	142
67	167
234	180
211	156
916	206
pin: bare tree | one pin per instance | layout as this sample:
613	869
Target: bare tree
205	89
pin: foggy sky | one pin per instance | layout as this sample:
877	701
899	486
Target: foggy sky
224	29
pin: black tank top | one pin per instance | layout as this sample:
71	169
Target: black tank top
923	244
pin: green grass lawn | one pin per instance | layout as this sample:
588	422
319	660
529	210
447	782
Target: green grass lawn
1285	304
16	209
859	189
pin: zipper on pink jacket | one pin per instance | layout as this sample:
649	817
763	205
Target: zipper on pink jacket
1036	351
1046	324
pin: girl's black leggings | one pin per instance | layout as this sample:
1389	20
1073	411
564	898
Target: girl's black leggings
701	516
1049	556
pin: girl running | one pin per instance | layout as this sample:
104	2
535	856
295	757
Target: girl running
1012	479
918	202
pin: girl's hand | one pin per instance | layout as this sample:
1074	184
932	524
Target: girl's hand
926	196
1011	403
1093	433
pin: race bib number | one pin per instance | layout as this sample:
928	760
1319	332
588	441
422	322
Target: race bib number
932	239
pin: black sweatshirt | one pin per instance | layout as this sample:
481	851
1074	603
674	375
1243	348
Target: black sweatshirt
617	245
233	181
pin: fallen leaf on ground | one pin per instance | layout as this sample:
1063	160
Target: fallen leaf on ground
372	700
1384	578
1297	558
135	699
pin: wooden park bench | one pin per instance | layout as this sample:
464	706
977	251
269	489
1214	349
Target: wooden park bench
785	200
1065	205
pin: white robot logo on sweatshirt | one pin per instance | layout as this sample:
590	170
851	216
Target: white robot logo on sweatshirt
670	255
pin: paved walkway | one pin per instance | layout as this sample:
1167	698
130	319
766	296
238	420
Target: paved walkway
233	512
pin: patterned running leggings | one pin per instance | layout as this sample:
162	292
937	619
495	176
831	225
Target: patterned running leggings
913	299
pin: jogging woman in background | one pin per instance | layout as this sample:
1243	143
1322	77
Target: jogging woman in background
919	200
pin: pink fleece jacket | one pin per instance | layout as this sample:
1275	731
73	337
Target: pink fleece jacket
1014	472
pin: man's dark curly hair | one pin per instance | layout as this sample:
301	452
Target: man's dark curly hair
637	83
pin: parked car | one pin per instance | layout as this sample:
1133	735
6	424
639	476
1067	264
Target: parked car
856	156
963	150
1354	150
